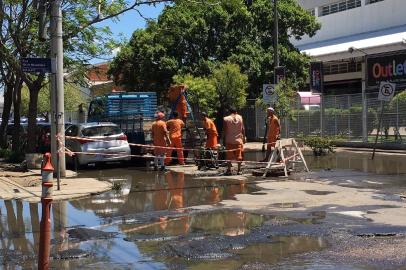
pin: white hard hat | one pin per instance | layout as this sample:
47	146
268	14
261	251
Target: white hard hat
271	109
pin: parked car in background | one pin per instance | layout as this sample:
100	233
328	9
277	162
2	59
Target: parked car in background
102	142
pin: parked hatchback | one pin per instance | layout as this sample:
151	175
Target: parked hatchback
96	142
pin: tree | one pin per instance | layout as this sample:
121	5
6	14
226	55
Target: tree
73	98
201	92
194	38
226	87
83	40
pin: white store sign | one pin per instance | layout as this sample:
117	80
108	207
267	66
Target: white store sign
269	94
386	91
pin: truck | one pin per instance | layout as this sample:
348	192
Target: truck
133	112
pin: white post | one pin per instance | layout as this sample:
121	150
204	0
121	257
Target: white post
364	103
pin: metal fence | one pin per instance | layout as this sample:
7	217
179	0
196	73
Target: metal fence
342	119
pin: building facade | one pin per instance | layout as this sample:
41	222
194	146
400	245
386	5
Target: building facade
351	31
360	44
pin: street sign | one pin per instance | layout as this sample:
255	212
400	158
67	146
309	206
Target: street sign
386	91
269	94
36	65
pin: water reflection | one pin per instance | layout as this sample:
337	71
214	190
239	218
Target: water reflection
218	222
382	164
154	192
360	161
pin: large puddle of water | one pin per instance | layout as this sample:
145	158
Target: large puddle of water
134	245
382	164
144	212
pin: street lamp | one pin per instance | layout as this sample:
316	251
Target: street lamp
363	94
352	49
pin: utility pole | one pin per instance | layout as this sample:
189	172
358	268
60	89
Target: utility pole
275	37
57	91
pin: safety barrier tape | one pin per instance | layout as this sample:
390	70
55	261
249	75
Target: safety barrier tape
71	153
153	146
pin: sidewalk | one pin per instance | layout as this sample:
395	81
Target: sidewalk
27	186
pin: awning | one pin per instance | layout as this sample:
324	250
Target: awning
308	98
365	41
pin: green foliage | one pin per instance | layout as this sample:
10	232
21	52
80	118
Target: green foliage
15	157
398	100
201	91
231	86
4	153
192	37
319	145
72	98
224	88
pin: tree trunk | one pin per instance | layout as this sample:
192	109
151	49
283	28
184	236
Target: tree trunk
8	100
219	120
17	102
32	120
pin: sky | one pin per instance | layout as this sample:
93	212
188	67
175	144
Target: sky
129	22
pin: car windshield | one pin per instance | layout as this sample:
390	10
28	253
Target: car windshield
101	131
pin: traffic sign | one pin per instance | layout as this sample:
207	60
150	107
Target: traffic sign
386	91
269	94
36	65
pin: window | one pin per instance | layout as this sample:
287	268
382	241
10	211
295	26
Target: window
312	11
101	131
344	67
372	1
72	131
340	6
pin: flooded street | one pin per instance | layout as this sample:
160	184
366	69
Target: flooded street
173	220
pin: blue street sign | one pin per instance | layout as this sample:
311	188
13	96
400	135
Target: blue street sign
36	65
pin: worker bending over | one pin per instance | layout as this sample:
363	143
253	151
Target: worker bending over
175	126
234	139
211	132
274	130
160	140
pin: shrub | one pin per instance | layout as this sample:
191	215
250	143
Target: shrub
320	145
4	153
15	157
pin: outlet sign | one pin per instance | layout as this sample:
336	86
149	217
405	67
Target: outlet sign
386	67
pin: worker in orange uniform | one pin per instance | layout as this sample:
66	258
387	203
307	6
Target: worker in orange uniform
161	140
211	131
177	97
274	130
234	139
175	126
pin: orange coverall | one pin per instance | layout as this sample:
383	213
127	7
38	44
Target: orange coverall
175	134
274	129
159	132
175	95
211	132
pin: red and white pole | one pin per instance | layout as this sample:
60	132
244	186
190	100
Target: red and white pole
47	172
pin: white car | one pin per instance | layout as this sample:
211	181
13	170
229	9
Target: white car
96	143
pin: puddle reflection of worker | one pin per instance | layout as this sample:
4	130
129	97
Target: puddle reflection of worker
235	188
160	196
176	185
235	224
214	195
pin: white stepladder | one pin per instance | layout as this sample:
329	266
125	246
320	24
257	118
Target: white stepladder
295	156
